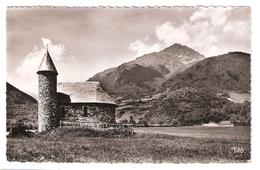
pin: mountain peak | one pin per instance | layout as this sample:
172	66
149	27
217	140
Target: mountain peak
177	46
148	71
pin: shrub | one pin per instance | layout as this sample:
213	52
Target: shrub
142	122
238	113
19	129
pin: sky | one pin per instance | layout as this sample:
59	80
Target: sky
85	41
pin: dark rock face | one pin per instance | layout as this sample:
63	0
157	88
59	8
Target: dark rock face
47	101
88	113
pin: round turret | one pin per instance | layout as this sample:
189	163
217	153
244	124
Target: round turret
47	94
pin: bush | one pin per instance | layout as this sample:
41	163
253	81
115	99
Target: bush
238	113
142	122
19	129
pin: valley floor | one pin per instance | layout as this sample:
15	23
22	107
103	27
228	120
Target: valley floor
149	145
236	132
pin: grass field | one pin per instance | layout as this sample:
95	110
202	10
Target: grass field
237	132
143	147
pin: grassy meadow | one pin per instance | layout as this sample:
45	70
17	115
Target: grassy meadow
236	132
140	148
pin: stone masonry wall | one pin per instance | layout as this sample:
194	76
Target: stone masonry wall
87	112
47	101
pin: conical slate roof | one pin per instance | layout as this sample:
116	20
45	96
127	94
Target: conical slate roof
47	64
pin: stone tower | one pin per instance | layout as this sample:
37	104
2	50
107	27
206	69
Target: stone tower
47	94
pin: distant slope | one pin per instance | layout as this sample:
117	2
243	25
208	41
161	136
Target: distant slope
230	72
127	78
193	106
200	93
185	106
146	72
20	106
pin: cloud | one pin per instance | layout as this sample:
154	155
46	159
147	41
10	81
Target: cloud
166	33
169	34
210	31
57	50
140	48
217	16
31	61
29	65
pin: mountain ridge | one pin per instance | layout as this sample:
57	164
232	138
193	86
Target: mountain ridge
230	71
200	93
156	66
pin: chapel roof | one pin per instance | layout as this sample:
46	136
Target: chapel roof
85	92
